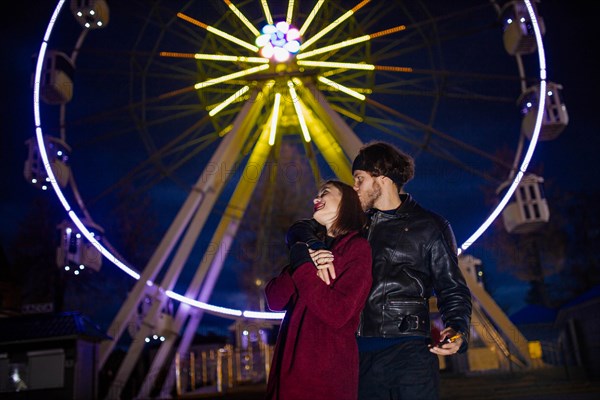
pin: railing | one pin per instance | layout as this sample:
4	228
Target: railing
222	369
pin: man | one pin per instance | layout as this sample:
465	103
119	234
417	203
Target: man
414	257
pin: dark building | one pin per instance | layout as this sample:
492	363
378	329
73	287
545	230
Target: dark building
49	356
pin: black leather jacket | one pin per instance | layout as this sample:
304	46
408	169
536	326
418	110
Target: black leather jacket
414	257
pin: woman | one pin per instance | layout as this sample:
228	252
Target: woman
316	356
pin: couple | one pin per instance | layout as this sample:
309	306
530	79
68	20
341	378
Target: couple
356	291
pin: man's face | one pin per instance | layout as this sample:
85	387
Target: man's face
368	189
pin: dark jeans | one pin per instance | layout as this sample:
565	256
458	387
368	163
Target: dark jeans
406	371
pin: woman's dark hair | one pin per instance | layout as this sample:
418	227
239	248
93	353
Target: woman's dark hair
350	215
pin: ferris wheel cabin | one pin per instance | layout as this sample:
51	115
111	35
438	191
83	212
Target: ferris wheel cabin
528	209
56	80
58	154
519	35
75	254
90	14
556	117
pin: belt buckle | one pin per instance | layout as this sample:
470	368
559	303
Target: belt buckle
408	323
414	321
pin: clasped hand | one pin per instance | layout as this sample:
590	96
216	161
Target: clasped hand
323	260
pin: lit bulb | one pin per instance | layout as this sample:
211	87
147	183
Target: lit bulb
292	34
281	54
282	26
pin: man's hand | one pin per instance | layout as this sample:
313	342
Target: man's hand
323	260
450	342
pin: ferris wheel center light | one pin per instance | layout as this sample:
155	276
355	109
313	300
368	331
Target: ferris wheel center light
278	42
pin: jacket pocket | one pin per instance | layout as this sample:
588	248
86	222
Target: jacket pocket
405	316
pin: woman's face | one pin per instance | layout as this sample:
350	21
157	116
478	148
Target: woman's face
326	205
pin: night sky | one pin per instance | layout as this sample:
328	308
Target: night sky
566	162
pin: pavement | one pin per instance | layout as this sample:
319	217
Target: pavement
546	384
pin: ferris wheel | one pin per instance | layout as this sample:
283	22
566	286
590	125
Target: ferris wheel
195	99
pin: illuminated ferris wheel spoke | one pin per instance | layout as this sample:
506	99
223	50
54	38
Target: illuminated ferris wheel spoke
218	32
235	75
333	64
242	17
349	42
237	96
215	57
299	112
341	88
290	12
274	119
333	25
310	17
265	7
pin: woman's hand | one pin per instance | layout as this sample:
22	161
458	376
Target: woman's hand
323	260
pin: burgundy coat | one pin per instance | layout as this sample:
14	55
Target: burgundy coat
316	356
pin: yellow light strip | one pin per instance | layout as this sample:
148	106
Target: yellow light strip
331	64
290	11
341	88
233	39
298	108
393	69
332	72
242	18
226	130
335	23
221	57
335	46
191	20
388	31
224	78
347	113
356	89
274	119
311	16
175	54
330	148
215	57
218	32
228	101
265	7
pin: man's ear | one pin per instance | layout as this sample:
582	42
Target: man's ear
383	178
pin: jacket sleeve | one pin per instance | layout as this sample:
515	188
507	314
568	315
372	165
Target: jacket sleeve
337	303
280	291
305	231
453	294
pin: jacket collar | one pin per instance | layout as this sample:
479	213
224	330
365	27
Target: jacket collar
407	206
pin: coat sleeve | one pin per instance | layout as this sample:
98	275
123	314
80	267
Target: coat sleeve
280	291
305	231
453	294
337	303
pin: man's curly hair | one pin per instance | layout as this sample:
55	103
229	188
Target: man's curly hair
380	158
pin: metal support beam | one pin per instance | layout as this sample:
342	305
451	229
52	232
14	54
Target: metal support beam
199	204
510	334
205	276
342	133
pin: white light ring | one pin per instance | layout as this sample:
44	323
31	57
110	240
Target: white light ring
228	312
534	137
223	311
